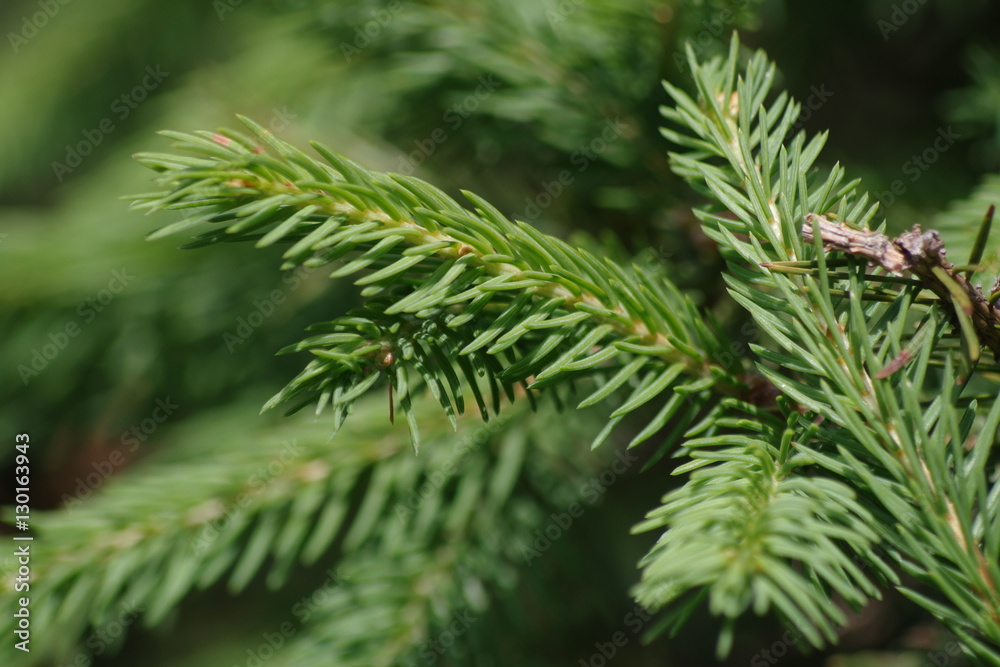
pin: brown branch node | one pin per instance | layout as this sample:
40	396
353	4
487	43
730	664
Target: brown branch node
918	253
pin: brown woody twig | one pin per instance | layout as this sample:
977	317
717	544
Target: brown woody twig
921	254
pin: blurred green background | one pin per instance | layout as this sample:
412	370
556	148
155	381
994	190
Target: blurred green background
118	349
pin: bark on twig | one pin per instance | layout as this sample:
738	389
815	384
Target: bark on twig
921	254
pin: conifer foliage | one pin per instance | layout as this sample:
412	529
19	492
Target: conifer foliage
853	450
875	460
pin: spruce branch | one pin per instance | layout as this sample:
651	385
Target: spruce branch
898	434
749	531
177	524
472	303
463	297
